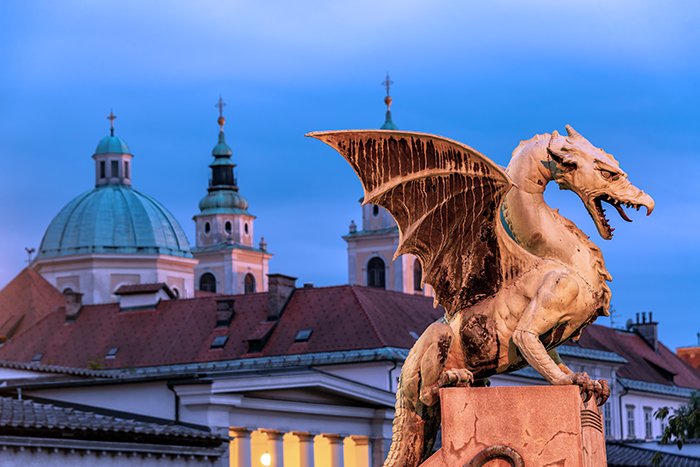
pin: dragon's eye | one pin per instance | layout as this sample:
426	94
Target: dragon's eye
608	175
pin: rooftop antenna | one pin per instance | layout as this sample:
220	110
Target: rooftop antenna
29	251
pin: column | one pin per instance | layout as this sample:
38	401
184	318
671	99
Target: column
274	439
336	441
241	457
362	452
306	448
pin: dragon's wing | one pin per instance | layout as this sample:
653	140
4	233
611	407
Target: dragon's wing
445	197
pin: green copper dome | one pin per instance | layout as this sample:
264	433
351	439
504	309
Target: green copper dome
111	144
114	219
388	122
223	202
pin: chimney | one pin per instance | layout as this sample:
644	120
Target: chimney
74	301
224	311
648	330
279	289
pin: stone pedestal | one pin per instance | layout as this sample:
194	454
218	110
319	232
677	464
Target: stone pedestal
540	425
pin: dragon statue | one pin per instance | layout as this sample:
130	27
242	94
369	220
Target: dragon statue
516	278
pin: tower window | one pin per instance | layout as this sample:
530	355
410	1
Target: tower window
249	283
227	227
375	210
126	169
207	283
376	273
115	169
245	228
103	169
417	275
207	227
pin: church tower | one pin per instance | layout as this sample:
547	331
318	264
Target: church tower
229	262
371	249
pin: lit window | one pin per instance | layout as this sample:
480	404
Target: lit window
112	352
219	342
303	335
376	273
630	422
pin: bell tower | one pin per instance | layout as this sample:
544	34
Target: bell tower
371	248
229	261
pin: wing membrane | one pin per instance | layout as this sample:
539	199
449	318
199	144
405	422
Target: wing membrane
444	197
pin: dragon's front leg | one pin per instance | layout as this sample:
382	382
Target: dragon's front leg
547	309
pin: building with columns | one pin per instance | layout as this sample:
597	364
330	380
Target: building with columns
371	248
114	235
229	261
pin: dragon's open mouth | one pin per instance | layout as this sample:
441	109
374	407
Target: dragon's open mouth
603	222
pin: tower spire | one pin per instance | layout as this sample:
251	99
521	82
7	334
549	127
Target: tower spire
111	117
388	123
220	104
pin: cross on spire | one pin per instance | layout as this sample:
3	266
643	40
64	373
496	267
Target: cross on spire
111	119
387	84
220	105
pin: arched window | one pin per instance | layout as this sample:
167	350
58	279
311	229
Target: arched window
376	273
249	283
417	275
227	227
207	283
67	291
375	210
207	227
245	228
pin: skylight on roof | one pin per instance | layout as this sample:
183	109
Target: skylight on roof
112	352
219	342
37	357
303	335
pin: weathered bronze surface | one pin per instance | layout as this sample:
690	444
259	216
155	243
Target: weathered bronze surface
515	277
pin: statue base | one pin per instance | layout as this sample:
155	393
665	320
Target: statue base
515	426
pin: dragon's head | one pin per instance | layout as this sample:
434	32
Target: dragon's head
595	176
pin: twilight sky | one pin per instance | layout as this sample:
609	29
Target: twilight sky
625	74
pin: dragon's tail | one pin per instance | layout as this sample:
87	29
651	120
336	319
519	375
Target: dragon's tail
415	424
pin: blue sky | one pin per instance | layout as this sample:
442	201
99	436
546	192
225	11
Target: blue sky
625	74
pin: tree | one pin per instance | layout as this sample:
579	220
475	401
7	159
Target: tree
683	425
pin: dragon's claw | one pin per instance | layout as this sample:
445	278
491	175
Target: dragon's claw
590	388
456	377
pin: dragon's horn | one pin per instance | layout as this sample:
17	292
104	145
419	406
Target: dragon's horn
571	132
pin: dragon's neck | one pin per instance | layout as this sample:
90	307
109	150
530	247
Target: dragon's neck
540	229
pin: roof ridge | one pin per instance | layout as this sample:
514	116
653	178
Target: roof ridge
369	318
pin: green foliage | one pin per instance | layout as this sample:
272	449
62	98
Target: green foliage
683	425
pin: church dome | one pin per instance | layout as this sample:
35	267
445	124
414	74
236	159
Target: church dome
114	219
223	202
111	144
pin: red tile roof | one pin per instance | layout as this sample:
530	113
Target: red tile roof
662	367
182	331
690	355
25	300
340	318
